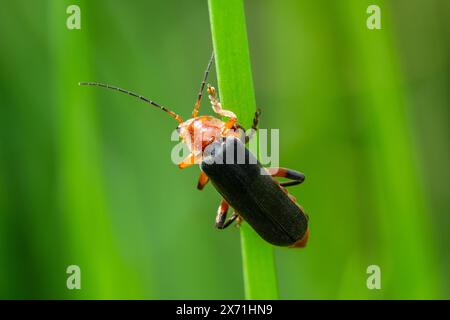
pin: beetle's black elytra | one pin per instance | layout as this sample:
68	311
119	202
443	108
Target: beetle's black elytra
257	197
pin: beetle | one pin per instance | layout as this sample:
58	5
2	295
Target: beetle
247	187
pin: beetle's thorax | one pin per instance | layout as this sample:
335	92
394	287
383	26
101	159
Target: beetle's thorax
201	131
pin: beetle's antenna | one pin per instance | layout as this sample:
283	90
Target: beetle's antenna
202	86
171	113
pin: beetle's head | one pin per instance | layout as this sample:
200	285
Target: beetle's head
197	133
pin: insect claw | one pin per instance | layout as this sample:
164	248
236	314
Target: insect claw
239	220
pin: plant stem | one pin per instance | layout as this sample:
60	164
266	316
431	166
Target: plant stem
236	92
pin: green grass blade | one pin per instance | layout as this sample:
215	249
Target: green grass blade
401	204
83	203
236	92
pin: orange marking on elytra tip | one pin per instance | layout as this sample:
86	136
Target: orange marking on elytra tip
301	243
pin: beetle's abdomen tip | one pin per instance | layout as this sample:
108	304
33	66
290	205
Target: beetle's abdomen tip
301	243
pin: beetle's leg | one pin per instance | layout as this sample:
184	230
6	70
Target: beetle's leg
230	220
217	107
239	220
230	123
221	219
187	162
202	181
249	135
295	176
252	132
202	86
221	214
242	132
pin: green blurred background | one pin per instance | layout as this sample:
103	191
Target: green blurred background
86	176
